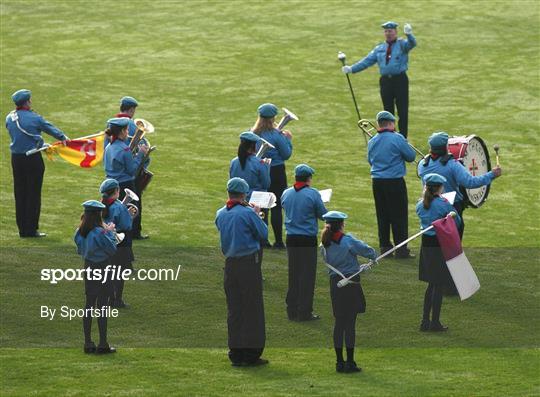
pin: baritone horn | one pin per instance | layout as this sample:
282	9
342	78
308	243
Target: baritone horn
265	146
286	118
143	127
127	201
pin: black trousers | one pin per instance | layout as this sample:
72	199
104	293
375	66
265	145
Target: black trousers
27	182
391	207
395	91
433	302
460	207
131	185
278	183
136	227
302	256
245	308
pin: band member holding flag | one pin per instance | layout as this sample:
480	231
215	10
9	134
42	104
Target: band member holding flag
441	162
282	141
432	265
303	208
340	252
241	230
387	154
96	243
25	128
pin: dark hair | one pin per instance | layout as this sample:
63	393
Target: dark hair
430	193
303	178
384	123
90	220
329	230
234	195
105	200
439	150
244	150
114	130
124	108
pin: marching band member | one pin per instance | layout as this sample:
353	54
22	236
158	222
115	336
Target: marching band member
25	128
432	265
340	251
96	243
119	162
117	213
241	230
387	154
303	207
441	162
282	140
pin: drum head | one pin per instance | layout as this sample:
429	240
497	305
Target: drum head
476	161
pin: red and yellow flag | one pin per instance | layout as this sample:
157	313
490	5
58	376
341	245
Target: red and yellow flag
85	152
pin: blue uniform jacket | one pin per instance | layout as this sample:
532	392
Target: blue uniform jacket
343	254
119	215
98	246
456	175
302	210
256	173
240	230
283	145
32	124
119	162
387	153
439	208
399	59
132	128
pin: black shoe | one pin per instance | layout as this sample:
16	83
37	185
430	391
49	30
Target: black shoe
257	363
141	237
90	348
279	246
119	304
424	325
266	244
311	317
238	364
105	349
350	367
33	235
340	366
405	255
437	327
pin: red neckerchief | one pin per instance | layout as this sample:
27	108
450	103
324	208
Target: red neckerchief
337	236
300	185
108	201
385	130
434	156
123	115
232	204
389	50
25	107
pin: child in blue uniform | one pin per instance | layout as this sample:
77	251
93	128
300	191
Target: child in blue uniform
432	265
96	243
117	213
340	251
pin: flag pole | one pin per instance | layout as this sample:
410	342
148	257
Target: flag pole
47	145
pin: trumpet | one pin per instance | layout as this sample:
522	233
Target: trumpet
286	118
127	201
143	127
265	146
247	204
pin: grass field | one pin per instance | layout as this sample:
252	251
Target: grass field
199	71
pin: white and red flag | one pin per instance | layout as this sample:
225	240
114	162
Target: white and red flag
459	266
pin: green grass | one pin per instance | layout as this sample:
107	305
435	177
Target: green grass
199	71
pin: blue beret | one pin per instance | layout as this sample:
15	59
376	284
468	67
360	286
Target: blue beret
438	139
267	110
21	96
384	115
250	136
237	185
434	179
129	101
108	184
303	170
118	121
93	205
333	216
389	25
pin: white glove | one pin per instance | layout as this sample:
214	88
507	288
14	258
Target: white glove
346	69
365	268
407	28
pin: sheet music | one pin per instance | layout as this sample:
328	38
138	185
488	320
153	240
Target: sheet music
326	195
450	196
263	199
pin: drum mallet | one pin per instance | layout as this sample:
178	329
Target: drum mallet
496	148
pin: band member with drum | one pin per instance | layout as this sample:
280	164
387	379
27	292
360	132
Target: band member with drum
303	208
25	128
340	251
282	141
392	56
241	230
118	214
443	163
96	243
119	161
387	154
432	265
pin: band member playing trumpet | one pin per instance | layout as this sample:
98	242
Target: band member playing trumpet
117	213
303	207
96	243
341	251
241	230
432	265
119	161
25	128
441	162
282	141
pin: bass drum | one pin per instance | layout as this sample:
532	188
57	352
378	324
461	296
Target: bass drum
472	152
